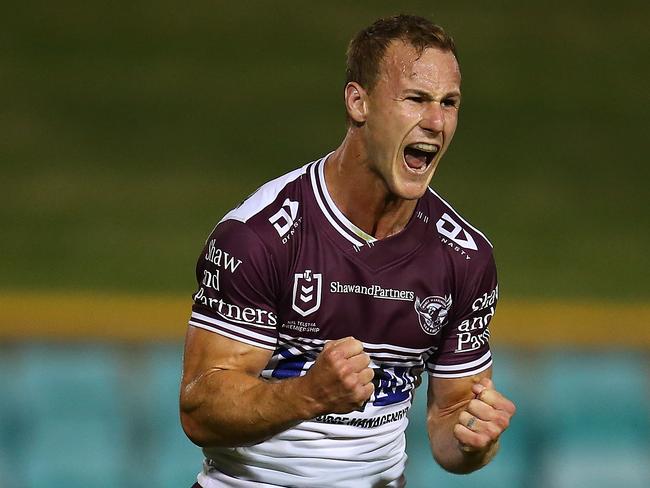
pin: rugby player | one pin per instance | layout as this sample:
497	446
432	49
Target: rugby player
326	294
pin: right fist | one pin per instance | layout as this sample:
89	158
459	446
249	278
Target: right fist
340	380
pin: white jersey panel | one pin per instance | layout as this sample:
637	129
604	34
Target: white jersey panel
314	455
263	197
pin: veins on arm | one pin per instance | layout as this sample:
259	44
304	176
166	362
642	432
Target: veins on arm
218	391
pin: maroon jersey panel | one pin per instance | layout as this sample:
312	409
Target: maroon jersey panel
237	283
422	298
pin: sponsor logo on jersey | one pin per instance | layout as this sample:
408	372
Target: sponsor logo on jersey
486	300
476	322
211	280
221	258
474	332
450	229
375	291
433	313
285	220
470	341
236	314
307	290
361	422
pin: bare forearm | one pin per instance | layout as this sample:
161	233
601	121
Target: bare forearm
232	408
226	403
448	451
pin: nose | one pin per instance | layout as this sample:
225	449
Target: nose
433	118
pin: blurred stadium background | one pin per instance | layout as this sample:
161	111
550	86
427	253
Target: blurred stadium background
128	128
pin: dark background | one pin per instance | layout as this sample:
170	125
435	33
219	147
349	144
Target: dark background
128	128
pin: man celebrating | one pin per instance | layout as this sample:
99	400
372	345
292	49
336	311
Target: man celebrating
324	296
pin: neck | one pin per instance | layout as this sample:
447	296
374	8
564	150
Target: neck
362	195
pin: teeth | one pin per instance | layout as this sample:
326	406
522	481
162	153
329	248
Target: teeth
425	147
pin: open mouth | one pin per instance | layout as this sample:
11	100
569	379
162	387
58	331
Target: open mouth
418	156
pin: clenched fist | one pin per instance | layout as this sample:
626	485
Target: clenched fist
484	418
340	380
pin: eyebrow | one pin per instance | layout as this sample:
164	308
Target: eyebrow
427	96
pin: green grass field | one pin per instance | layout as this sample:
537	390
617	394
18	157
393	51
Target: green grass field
129	129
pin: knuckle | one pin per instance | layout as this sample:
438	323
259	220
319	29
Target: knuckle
492	431
370	374
484	441
511	408
486	395
362	393
503	422
474	404
330	354
348	383
344	368
492	415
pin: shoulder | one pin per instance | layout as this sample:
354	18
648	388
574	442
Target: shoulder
258	229
272	210
266	195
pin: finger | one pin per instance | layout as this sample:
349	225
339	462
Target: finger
481	410
482	385
362	395
366	376
487	383
358	362
497	400
343	348
350	347
367	390
473	423
470	440
334	342
492	428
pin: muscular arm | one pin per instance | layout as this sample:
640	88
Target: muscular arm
451	405
224	402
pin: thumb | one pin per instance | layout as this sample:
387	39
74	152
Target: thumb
487	383
334	342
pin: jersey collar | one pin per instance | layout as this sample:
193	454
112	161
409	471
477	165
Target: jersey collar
339	221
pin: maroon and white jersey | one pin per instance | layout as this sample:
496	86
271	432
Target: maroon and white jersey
287	271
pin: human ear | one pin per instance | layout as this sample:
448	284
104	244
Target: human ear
356	102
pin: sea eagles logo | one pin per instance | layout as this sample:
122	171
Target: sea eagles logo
307	288
432	313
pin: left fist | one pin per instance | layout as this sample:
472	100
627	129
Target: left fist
484	419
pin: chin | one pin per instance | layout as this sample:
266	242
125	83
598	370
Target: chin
410	191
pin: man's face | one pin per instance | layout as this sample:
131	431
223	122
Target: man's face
411	117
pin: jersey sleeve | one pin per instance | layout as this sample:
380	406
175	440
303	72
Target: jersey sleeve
236	287
464	348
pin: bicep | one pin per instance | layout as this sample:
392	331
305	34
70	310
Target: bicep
446	396
207	352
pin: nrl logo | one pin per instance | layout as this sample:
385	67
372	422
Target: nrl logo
432	313
307	288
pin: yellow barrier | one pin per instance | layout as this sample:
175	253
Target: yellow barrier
132	318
